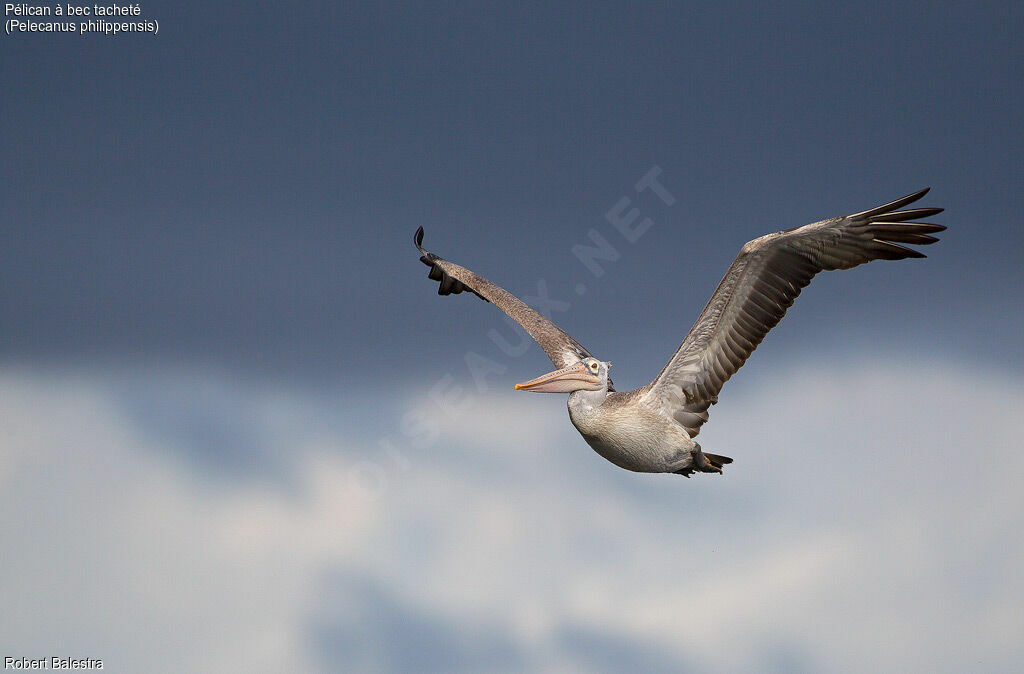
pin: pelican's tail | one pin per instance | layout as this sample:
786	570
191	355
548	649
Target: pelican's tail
716	462
704	462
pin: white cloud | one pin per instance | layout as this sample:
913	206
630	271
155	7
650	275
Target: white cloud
871	521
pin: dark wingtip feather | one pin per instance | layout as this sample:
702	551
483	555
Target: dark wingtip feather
911	237
425	257
912	214
447	285
893	251
892	205
917	227
904	232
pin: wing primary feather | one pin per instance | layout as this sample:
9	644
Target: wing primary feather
903	251
892	205
916	227
912	214
906	237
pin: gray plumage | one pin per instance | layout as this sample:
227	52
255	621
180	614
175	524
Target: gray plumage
652	428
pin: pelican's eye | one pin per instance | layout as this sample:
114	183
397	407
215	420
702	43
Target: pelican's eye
594	367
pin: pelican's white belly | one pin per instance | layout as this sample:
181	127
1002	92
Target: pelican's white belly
631	436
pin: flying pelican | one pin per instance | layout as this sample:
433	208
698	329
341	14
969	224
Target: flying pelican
651	429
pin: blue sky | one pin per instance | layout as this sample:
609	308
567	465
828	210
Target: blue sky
213	318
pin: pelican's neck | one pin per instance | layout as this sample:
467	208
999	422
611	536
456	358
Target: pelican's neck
585	411
582	400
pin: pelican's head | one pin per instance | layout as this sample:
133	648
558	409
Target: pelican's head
590	374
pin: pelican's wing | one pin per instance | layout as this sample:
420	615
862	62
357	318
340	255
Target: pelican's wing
562	349
762	283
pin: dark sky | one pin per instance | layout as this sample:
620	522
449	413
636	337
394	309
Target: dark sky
242	188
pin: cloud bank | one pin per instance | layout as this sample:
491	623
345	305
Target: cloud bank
871	521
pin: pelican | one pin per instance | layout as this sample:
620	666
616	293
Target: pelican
652	429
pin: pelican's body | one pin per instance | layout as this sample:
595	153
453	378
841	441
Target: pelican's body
652	429
629	433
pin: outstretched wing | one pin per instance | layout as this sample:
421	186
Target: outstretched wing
762	284
562	349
